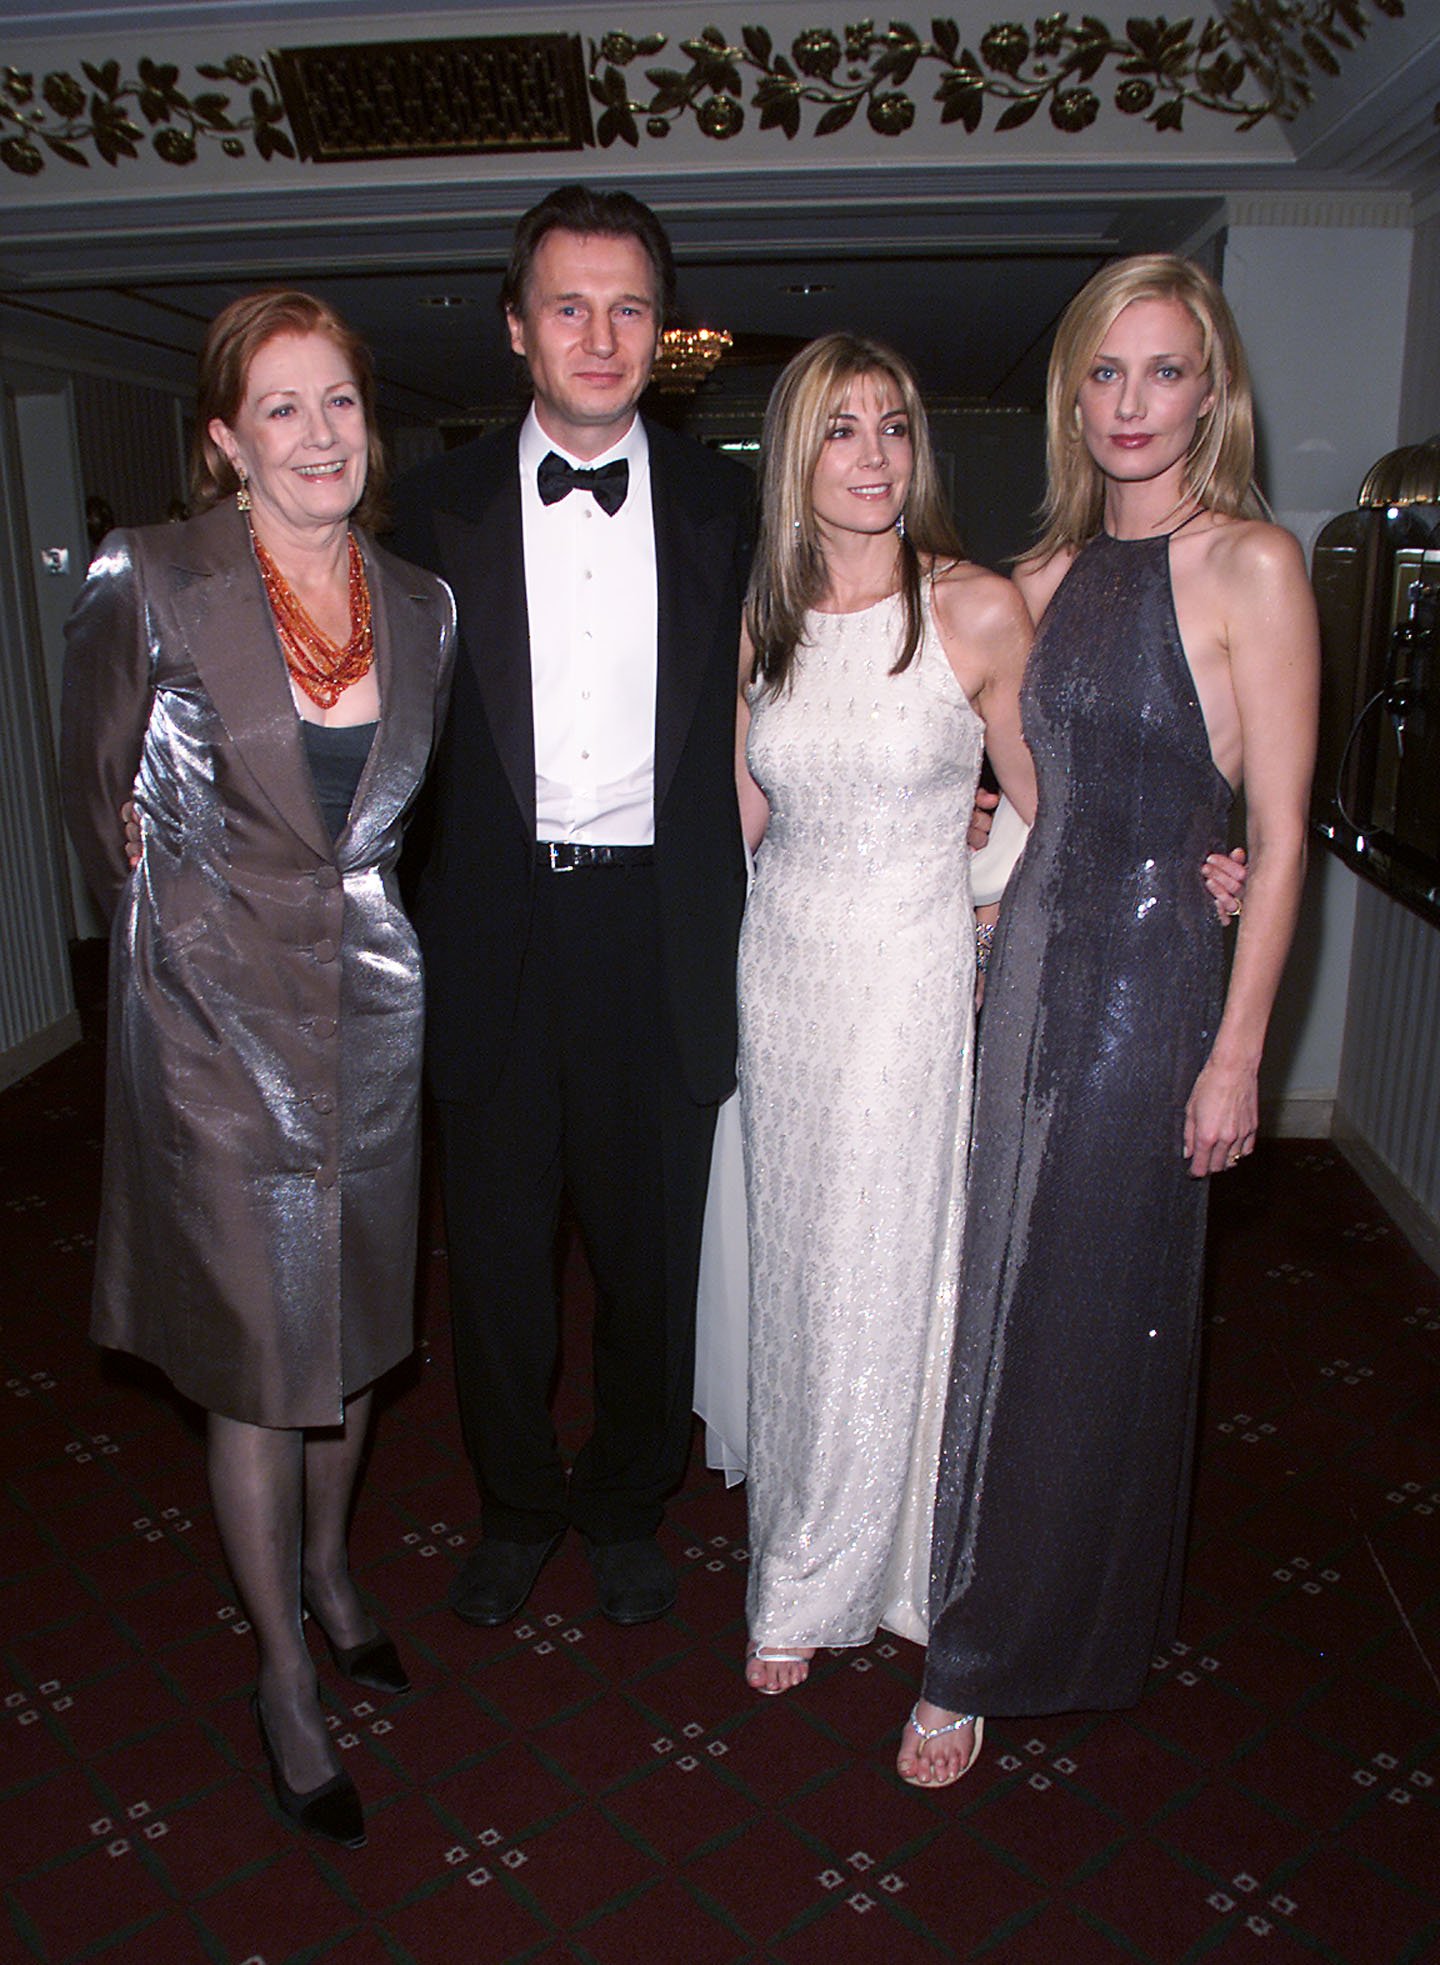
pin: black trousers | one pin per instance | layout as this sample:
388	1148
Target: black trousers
590	1104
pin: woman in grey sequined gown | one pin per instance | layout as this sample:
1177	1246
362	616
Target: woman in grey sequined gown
257	1234
1176	649
857	967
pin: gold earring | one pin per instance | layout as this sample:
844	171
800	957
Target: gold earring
242	494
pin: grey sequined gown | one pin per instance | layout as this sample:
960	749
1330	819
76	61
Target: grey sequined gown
856	1013
1060	1521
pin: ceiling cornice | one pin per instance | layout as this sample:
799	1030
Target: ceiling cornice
1378	210
151	92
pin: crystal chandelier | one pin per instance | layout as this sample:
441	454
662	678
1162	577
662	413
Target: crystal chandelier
687	356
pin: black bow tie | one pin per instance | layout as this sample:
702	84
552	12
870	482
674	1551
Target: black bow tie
556	480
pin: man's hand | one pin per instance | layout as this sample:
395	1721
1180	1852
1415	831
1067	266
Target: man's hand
1225	875
981	819
130	819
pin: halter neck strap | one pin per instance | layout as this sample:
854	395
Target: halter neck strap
1183	523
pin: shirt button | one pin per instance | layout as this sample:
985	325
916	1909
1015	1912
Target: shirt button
584	695
584	754
324	950
587	575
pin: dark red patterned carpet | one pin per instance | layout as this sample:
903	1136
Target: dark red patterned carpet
562	1790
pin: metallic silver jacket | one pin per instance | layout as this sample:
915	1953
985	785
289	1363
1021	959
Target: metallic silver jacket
258	1223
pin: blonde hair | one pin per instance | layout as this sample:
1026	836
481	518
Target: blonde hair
788	576
1220	467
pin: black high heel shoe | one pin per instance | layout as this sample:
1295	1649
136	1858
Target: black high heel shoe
375	1663
332	1810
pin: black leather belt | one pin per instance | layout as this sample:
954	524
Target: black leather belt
569	856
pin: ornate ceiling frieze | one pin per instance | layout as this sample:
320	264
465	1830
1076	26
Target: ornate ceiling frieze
65	117
1255	60
1252	61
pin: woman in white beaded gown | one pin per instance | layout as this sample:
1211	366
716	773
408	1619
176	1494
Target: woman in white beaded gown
877	664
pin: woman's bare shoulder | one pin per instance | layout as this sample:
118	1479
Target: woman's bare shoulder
1252	559
972	600
1036	579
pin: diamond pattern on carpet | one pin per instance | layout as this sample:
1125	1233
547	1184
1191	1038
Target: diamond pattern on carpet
560	1790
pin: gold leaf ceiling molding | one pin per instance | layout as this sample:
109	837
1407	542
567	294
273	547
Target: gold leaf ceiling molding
1255	60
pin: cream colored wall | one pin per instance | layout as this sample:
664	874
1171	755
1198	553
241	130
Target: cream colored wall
1342	323
1388	1099
37	509
1320	289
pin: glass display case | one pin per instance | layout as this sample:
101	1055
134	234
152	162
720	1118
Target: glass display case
1376	573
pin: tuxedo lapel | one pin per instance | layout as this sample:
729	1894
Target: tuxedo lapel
220	606
481	545
691	586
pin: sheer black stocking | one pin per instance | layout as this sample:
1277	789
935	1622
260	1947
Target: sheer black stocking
260	1483
332	1464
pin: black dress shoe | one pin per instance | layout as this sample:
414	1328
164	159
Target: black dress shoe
636	1583
497	1577
332	1810
375	1663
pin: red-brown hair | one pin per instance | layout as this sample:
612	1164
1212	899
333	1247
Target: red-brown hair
237	334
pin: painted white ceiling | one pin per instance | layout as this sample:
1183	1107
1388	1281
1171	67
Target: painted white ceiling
961	253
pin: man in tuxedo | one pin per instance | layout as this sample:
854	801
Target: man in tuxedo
580	908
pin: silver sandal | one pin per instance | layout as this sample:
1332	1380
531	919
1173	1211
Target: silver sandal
771	1654
925	1734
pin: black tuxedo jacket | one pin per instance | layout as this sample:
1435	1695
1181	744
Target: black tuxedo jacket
461	517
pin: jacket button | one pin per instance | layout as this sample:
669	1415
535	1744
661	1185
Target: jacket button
324	949
324	1026
327	877
323	1102
325	1177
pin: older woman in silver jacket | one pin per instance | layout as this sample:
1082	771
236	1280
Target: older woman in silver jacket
267	685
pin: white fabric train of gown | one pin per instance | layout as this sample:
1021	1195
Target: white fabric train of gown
722	1306
856	1016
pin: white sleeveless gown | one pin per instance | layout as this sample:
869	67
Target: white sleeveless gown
856	1020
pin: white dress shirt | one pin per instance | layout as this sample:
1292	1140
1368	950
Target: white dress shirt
590	591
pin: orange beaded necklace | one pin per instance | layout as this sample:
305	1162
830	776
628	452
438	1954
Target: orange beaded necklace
318	665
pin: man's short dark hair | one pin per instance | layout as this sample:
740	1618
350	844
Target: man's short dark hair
608	214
